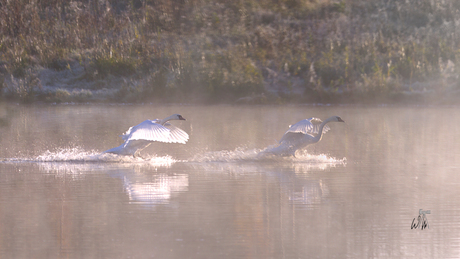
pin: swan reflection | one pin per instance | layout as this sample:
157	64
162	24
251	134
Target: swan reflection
152	182
299	181
301	188
79	168
148	182
157	190
310	193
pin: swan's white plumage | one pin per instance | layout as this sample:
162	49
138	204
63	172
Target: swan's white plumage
300	135
129	148
305	127
140	136
176	135
152	131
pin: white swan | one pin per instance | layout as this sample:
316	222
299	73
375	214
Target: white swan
300	135
140	136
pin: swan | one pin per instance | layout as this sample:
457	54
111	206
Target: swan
302	134
145	133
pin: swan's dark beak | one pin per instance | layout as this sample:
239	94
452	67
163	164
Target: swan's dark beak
340	119
181	118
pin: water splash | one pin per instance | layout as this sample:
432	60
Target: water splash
78	155
239	154
75	154
253	155
304	156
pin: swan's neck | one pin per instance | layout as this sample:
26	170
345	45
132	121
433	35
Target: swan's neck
318	137
163	121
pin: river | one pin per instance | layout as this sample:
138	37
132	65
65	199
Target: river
358	193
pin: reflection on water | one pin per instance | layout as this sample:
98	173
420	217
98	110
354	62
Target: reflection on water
141	186
352	195
290	171
150	184
157	187
157	190
309	194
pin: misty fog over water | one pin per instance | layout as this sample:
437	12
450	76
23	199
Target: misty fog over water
358	193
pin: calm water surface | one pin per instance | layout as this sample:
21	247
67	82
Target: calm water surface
353	195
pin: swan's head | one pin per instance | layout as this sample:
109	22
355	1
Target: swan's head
339	119
178	117
335	118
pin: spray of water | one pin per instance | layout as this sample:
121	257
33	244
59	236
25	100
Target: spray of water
255	155
78	155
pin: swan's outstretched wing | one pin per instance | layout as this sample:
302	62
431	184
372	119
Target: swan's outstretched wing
304	127
149	130
152	131
308	126
316	123
176	135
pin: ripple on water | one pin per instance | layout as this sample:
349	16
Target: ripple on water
253	155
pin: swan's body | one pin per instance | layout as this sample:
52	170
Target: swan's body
142	135
302	134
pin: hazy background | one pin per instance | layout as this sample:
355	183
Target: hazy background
193	51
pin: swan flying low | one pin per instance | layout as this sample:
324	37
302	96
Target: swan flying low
142	135
302	134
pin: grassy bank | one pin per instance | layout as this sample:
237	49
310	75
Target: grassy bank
226	51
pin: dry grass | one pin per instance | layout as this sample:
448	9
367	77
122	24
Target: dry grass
201	50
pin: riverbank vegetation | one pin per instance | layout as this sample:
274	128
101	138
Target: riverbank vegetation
267	51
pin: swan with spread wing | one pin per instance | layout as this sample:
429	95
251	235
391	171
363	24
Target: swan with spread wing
142	135
300	135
